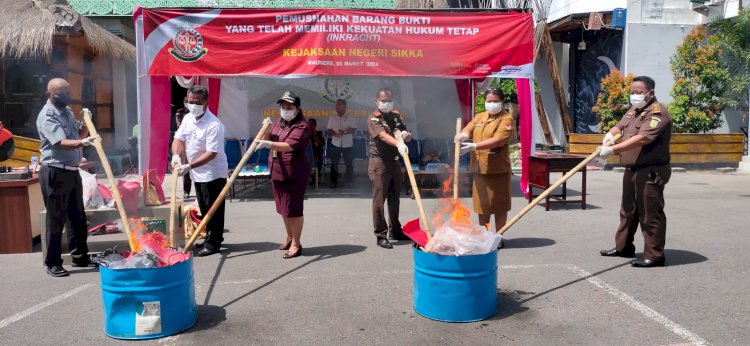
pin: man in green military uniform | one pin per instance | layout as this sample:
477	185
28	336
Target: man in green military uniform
644	151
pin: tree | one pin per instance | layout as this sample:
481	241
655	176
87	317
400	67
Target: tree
614	99
733	37
700	82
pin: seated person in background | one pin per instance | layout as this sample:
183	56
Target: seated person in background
431	155
318	145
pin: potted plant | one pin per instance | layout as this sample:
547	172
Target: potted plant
611	105
701	80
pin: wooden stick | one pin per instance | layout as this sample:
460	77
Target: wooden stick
554	186
111	178
456	158
415	188
227	186
173	207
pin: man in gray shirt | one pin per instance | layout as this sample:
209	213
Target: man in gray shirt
62	192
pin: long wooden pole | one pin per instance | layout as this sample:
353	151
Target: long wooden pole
111	178
456	159
173	207
415	188
553	187
227	186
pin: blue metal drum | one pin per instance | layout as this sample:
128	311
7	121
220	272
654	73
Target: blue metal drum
455	288
147	303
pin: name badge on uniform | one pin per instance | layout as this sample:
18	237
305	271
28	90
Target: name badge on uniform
479	125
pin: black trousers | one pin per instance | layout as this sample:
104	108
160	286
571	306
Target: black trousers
63	196
336	154
643	203
206	194
187	184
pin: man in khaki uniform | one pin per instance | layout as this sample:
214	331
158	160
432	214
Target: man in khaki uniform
490	132
644	150
384	168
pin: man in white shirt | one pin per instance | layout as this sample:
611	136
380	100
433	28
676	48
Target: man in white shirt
341	128
201	137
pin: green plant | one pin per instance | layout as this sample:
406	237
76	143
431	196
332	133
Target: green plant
613	101
733	37
700	81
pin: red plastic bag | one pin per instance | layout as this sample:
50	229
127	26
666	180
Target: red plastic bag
129	192
106	194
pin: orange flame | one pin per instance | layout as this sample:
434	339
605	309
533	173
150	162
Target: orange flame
450	208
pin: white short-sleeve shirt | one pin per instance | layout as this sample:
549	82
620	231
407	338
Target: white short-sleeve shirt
200	136
339	123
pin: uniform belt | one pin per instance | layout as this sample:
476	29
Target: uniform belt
395	158
67	168
637	167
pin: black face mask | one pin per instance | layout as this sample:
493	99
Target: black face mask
61	101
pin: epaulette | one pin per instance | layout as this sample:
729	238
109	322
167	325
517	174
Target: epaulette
377	114
50	111
656	109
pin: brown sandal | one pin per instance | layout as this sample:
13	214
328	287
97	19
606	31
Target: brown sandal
285	246
293	255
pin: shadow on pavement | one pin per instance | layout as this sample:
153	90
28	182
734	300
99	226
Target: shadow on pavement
682	257
319	253
244	249
509	304
209	316
527	243
573	282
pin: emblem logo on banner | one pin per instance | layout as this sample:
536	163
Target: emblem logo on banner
188	45
334	89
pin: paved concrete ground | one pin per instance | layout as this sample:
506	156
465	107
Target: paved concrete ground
554	288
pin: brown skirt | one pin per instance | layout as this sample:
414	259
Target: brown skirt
491	193
289	197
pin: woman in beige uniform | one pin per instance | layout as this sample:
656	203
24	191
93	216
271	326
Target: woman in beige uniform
490	132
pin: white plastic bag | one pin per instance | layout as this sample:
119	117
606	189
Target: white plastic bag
92	199
458	239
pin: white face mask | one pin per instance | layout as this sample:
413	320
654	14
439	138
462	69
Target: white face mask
637	99
493	107
195	110
385	107
287	114
185	104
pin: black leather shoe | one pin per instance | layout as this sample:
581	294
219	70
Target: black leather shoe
616	253
57	271
647	263
397	237
86	264
384	243
206	252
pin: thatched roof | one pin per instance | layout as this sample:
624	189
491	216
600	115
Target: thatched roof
27	29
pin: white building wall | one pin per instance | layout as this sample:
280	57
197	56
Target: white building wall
652	38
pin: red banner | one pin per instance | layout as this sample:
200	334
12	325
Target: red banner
330	42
